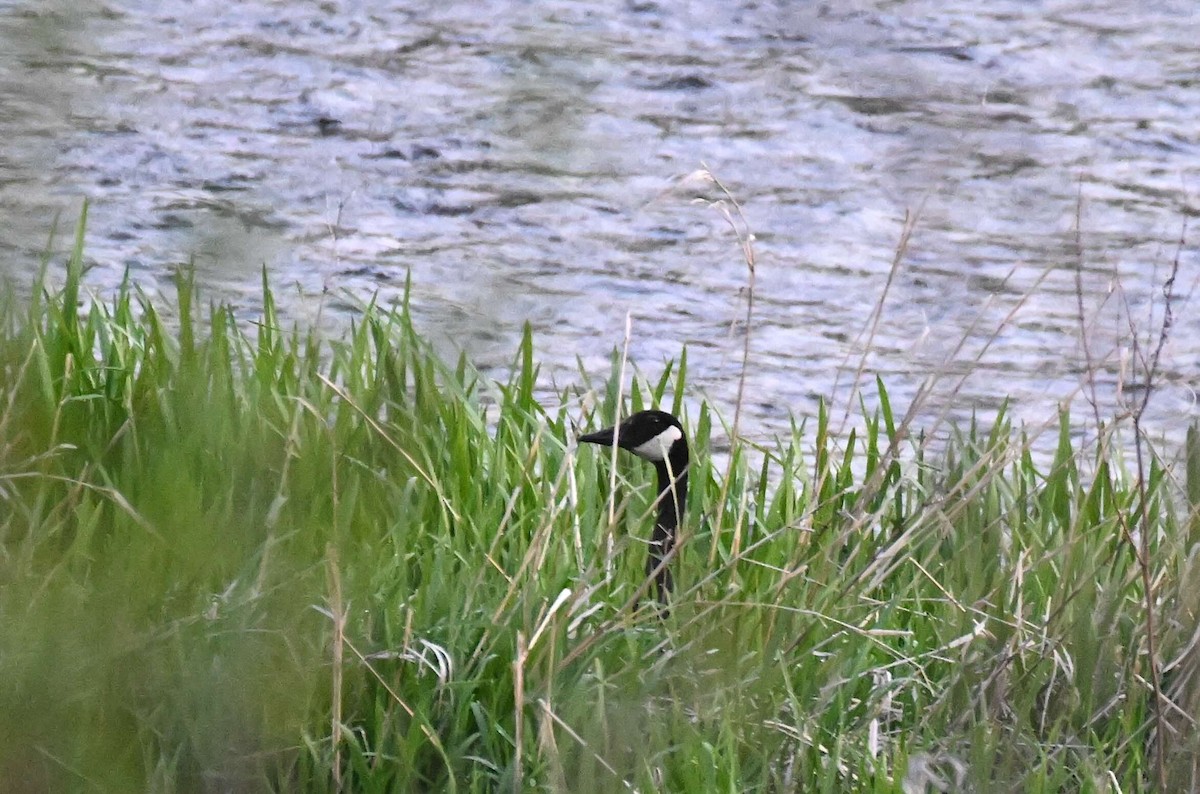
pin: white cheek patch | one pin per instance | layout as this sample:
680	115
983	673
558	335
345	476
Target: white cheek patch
656	449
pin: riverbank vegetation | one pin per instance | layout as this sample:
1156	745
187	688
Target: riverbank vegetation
237	557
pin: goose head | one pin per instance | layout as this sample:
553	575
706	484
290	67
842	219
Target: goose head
656	436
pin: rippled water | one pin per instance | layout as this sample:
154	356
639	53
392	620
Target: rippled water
529	162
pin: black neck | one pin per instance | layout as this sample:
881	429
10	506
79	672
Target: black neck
672	502
672	494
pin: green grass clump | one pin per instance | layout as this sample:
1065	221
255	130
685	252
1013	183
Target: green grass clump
239	559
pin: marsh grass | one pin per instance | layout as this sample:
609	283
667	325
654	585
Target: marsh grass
238	558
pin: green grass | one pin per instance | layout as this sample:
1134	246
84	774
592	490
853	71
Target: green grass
237	558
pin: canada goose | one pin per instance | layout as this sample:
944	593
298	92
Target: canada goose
658	437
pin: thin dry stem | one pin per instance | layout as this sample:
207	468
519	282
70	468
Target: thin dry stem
740	226
1084	338
519	707
338	611
1142	552
906	232
610	531
745	237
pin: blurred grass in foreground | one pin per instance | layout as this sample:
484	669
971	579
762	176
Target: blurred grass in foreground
239	559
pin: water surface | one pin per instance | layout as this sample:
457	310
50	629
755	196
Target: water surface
530	162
